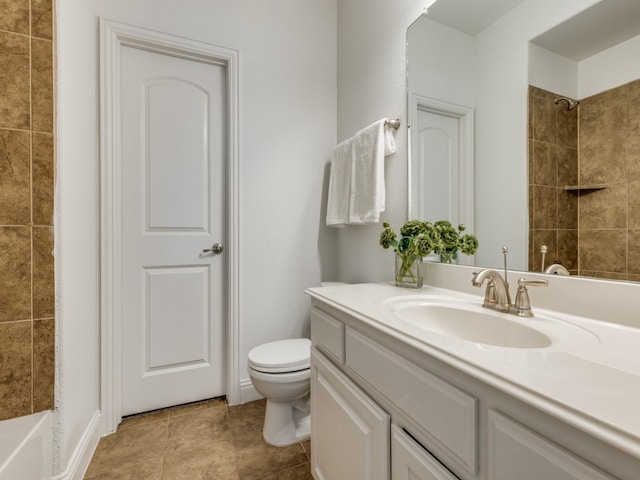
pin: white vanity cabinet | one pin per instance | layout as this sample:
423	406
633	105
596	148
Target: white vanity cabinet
515	451
350	432
409	461
384	408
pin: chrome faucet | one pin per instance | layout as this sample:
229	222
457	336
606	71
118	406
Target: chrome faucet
496	295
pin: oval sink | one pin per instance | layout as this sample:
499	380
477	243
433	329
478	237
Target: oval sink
478	326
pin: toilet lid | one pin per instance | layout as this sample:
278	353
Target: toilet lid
281	356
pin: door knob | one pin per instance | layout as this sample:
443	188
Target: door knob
216	248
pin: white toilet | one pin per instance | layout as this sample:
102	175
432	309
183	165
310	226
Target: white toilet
280	372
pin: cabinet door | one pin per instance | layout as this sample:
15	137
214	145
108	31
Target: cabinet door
409	461
517	452
349	432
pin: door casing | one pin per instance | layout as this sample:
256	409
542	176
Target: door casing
113	36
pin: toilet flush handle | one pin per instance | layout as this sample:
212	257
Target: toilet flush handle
216	248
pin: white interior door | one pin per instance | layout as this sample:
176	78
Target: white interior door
436	167
173	121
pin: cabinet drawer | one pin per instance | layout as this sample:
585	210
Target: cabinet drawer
327	334
445	413
412	462
517	452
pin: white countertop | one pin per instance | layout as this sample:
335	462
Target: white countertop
589	377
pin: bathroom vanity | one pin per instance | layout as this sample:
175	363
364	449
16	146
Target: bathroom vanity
425	384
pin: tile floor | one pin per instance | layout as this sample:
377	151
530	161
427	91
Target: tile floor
205	441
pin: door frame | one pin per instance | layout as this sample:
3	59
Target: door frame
113	37
465	116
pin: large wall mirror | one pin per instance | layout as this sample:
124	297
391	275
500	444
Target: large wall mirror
524	121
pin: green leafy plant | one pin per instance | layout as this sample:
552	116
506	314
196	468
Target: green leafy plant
419	239
452	240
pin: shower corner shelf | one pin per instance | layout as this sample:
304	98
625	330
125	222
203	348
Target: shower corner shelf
586	188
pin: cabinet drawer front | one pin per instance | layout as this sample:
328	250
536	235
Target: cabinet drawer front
411	462
447	414
350	432
327	334
517	452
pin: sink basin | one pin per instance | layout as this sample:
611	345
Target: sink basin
469	322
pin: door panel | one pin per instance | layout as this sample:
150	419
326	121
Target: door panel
173	164
176	128
436	166
177	320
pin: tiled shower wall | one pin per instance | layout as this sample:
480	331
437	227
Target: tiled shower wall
553	163
27	301
607	219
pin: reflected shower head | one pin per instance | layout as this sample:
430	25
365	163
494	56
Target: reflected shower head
571	104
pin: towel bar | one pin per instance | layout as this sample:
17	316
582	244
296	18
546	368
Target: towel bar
393	123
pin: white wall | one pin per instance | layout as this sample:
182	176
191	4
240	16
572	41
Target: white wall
553	72
371	85
288	96
445	74
287	52
501	126
609	69
77	218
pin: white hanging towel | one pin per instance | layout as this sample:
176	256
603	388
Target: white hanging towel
356	183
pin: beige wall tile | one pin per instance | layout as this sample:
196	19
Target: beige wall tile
567	159
633	151
544	116
42	85
15	369
545	165
42	19
42	179
540	238
44	336
604	208
26	195
15	177
14	81
15	281
545	207
14	16
567	209
568	249
603	251
633	256
43	273
567	125
603	137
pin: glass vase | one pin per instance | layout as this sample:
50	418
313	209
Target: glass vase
449	257
408	272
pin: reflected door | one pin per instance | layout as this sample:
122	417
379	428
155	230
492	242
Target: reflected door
436	157
172	172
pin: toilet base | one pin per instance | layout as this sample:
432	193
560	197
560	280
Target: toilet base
286	423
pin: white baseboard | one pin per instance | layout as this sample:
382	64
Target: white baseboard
247	392
81	457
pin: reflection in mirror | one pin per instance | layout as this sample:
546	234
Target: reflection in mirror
441	139
522	60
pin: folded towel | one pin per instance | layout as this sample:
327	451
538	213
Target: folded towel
356	183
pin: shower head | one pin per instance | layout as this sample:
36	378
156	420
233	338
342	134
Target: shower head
571	104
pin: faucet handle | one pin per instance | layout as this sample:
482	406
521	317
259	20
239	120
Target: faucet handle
522	305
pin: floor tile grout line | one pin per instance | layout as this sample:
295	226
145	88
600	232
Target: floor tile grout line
235	430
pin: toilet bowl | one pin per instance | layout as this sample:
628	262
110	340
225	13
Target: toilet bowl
280	372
